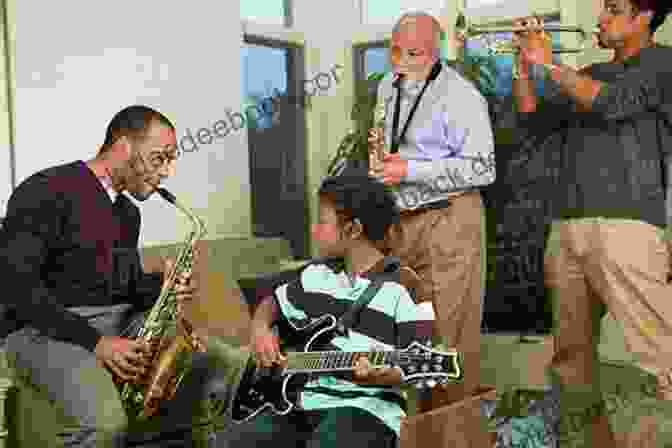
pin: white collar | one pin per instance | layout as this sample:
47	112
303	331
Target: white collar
108	188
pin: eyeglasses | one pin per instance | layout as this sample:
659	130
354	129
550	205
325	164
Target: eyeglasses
158	160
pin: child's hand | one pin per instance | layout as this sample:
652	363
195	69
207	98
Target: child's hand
366	374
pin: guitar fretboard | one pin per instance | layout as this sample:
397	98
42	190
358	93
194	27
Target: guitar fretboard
337	360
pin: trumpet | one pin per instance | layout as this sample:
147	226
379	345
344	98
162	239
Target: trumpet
496	46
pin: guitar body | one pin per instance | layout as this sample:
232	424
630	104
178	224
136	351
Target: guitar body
277	389
264	389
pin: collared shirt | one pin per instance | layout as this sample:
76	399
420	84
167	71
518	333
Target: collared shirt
449	143
613	156
106	182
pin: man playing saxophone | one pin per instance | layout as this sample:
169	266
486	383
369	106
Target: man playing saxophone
439	123
69	246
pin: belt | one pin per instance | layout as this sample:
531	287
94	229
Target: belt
443	203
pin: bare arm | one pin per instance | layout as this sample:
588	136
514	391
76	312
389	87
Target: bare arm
579	86
641	89
523	91
266	313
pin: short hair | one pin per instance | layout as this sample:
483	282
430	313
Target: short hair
357	196
660	8
133	122
411	15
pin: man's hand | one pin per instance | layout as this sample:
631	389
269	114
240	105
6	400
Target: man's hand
126	358
392	170
376	142
185	286
384	376
199	342
265	345
185	290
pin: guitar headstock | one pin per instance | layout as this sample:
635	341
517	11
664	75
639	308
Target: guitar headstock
426	367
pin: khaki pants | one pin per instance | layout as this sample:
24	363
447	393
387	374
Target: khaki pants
446	248
597	265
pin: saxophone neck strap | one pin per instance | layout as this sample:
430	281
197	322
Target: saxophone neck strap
436	69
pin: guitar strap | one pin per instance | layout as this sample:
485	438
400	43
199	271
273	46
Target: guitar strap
349	318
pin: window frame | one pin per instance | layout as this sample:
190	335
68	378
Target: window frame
359	57
287	19
363	13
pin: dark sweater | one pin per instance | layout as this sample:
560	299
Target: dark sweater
64	244
613	157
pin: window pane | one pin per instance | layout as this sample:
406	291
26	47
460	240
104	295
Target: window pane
264	11
386	12
264	76
376	60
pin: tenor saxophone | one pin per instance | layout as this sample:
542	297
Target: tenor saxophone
169	336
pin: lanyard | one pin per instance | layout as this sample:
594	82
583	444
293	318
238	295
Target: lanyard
436	69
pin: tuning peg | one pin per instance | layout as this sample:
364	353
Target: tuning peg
431	383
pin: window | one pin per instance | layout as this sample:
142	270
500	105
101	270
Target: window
275	12
276	140
264	77
376	60
386	12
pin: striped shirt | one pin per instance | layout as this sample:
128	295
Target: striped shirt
390	321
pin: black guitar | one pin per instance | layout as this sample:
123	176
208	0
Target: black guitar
277	389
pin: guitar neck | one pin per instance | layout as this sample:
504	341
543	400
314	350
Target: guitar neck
337	361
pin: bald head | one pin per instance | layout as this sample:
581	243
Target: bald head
412	22
415	44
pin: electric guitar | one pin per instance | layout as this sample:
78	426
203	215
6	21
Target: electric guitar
278	388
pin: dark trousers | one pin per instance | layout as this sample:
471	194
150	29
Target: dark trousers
330	428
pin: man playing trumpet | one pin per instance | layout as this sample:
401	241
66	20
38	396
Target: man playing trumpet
437	149
607	250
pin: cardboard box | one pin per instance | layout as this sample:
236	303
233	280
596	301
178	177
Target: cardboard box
458	425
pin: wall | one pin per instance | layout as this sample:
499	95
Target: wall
81	64
6	88
84	72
